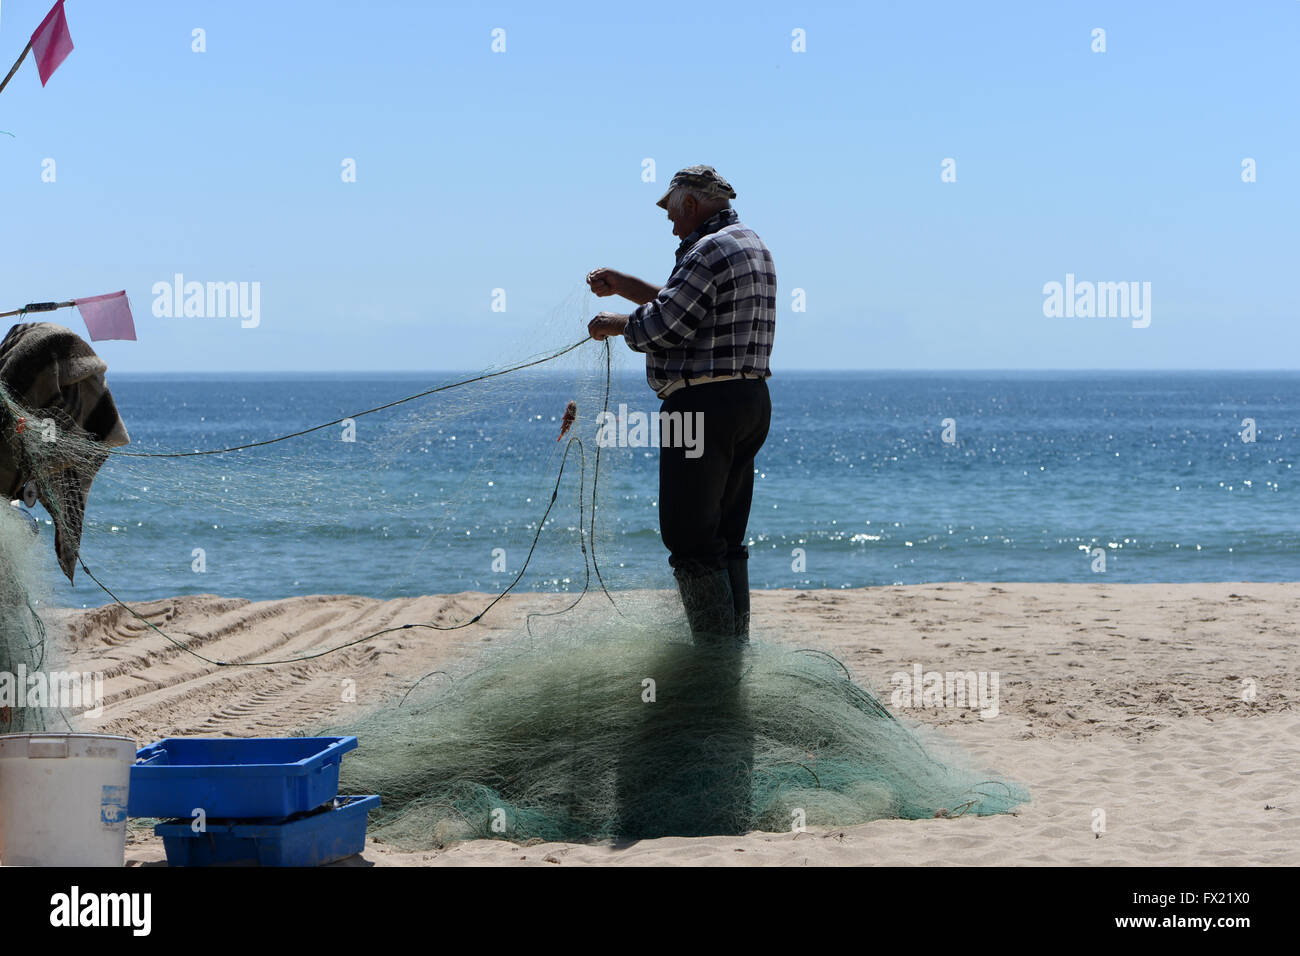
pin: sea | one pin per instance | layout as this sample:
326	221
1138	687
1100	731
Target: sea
867	478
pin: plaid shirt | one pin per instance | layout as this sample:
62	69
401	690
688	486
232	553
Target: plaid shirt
717	314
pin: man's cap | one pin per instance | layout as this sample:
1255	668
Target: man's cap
703	178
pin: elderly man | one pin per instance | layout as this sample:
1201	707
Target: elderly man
707	337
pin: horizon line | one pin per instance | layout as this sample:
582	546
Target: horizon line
459	371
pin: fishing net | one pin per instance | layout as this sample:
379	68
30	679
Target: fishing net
618	727
459	484
430	479
25	650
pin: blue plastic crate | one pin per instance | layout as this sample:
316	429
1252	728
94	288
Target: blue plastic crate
327	835
232	777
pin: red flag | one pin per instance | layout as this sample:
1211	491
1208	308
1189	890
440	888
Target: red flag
107	316
51	43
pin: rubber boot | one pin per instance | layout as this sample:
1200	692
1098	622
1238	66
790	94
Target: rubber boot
738	571
709	606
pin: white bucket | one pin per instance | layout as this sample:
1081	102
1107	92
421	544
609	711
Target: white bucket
63	799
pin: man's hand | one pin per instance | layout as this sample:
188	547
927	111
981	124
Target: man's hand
606	324
605	282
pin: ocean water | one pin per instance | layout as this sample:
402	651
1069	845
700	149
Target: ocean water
1044	472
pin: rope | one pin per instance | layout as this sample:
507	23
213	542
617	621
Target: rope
582	532
369	411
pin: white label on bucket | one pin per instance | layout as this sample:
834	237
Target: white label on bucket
112	807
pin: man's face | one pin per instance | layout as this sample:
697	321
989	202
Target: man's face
683	216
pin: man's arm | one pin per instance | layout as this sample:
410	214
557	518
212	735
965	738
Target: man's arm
638	290
605	282
606	324
671	318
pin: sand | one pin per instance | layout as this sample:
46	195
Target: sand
1126	709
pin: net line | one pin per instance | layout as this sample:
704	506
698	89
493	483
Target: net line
585	529
549	357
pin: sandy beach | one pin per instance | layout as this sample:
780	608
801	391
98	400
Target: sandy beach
1125	709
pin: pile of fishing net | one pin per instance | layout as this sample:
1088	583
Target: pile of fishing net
619	730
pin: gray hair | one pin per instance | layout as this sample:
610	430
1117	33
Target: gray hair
709	202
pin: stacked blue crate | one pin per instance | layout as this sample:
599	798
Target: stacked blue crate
269	801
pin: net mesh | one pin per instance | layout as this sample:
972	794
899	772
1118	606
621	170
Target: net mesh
25	649
556	735
618	727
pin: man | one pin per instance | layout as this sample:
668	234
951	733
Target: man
707	337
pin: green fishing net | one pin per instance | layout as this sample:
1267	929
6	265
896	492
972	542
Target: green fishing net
24	649
599	722
618	728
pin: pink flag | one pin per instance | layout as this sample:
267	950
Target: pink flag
107	316
51	43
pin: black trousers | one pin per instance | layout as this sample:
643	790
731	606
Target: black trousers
705	491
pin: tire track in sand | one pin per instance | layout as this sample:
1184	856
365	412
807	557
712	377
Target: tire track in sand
152	688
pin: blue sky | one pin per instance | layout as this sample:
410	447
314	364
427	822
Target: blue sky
522	170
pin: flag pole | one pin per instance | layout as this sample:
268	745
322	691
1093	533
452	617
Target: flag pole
38	307
12	70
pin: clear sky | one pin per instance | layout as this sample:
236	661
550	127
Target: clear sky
522	170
